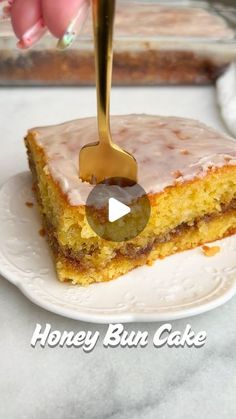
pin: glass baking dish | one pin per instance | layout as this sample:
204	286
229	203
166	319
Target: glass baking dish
169	42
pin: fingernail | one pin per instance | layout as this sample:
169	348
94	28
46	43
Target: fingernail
74	27
32	35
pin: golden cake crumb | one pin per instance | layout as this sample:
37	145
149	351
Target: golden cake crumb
29	204
211	251
42	232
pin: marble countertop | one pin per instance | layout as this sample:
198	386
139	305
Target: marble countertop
145	383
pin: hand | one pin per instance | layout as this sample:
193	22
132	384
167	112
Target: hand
32	18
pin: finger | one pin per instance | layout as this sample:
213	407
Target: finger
27	21
65	19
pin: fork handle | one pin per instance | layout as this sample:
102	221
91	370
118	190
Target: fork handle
103	24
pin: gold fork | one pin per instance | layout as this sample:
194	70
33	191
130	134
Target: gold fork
104	159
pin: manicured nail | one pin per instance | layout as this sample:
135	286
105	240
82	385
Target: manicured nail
32	35
74	27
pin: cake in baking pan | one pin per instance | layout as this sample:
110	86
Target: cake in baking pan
155	43
187	169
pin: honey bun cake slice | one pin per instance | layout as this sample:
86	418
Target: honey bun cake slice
187	169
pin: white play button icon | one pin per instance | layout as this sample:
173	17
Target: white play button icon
117	210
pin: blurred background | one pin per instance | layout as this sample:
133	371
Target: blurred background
180	42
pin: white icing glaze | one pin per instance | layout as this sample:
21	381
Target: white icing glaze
167	149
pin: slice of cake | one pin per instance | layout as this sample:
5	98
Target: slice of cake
187	169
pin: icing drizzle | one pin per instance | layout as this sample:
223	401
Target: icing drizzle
167	149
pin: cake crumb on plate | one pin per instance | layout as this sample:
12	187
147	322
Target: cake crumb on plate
210	251
29	204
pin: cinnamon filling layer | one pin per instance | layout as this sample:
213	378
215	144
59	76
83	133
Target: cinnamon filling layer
77	258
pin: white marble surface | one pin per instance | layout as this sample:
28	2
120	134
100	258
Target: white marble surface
116	383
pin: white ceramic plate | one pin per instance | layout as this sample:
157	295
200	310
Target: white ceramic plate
182	285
